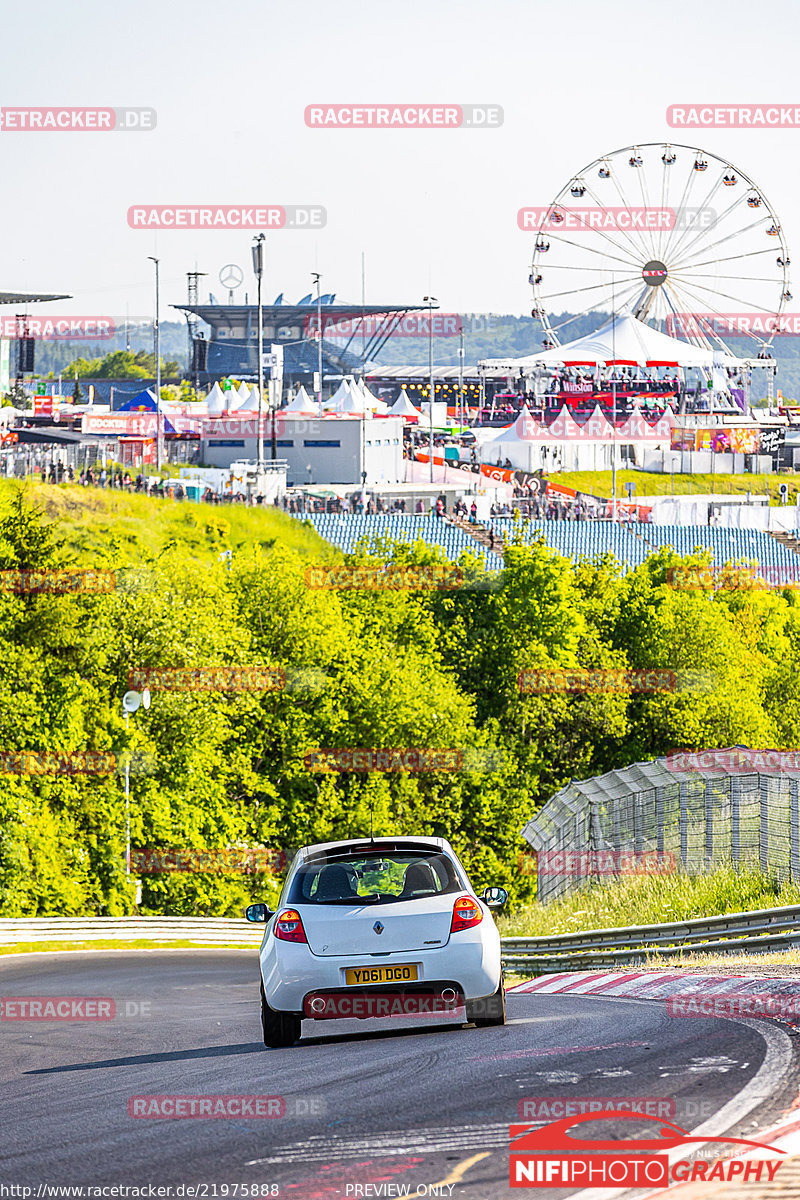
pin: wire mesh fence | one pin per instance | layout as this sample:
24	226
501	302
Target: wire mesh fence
687	813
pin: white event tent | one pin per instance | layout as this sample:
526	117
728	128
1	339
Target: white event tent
302	404
251	403
403	407
519	443
623	341
216	401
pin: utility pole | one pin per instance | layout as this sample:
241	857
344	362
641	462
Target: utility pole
316	277
157	339
258	267
430	301
192	288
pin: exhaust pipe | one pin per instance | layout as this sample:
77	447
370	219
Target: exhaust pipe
318	1004
449	995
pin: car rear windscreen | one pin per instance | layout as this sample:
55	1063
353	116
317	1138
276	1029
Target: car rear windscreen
379	878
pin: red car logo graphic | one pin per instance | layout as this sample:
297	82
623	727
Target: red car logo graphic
555	1138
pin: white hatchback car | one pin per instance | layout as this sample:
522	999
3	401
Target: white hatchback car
375	928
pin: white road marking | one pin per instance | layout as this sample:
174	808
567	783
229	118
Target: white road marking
322	1147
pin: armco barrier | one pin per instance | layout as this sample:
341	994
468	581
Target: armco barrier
205	930
732	933
750	932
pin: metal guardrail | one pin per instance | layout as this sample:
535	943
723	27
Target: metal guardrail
750	932
205	930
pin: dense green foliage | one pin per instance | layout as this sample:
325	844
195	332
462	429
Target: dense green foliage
387	669
119	364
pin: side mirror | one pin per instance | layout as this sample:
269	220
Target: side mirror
495	897
257	912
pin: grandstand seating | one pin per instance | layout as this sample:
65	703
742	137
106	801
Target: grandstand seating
630	544
346	529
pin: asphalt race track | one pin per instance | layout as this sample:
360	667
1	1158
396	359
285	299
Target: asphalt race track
415	1102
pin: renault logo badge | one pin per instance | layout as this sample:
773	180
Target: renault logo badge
378	927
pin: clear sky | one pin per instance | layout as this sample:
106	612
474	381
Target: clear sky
433	210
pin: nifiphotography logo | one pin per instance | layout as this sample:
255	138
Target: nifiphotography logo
549	1157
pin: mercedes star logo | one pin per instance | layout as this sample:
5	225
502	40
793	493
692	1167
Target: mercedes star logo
231	276
378	927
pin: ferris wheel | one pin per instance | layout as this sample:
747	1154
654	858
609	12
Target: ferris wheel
683	239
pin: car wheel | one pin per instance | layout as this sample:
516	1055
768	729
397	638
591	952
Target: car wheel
279	1029
491	1011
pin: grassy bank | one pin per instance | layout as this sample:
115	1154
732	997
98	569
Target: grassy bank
100	524
649	900
598	483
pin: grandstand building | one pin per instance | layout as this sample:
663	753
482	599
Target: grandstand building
231	345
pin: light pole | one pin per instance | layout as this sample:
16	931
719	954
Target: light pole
461	380
131	702
430	301
157	339
258	267
316	277
613	404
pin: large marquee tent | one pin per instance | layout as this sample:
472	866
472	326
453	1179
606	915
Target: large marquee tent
623	341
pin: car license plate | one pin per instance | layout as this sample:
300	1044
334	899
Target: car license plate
401	973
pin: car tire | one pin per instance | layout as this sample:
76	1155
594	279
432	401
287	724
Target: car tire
280	1029
491	1011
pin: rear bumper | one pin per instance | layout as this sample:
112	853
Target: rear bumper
440	998
470	965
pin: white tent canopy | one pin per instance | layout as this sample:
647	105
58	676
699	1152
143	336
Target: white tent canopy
622	340
403	407
524	429
341	394
519	444
348	398
217	401
251	403
302	403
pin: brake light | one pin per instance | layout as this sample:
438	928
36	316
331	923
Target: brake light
466	913
288	927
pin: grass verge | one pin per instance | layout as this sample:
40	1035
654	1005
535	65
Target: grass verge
111	944
598	483
651	900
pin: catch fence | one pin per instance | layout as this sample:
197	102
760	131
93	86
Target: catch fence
689	813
